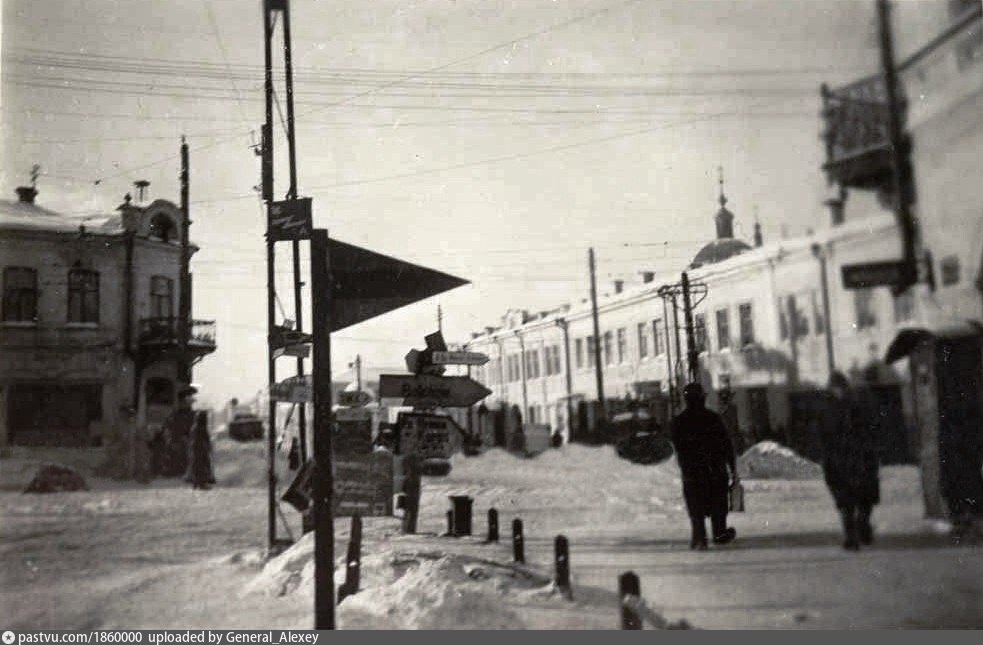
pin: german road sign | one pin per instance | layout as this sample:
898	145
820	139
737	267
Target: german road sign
300	351
352	414
293	390
354	399
873	274
363	484
290	220
366	284
460	358
438	391
431	436
281	337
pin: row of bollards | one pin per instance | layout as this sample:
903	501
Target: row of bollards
629	586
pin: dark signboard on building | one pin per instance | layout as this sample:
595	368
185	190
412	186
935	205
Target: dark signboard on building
873	274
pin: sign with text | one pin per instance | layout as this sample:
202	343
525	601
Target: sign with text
354	399
353	437
873	274
293	390
364	484
424	390
431	436
460	358
290	220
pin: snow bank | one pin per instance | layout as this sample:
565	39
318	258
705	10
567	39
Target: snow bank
243	464
770	460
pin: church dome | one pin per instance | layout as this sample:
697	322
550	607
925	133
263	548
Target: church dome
718	251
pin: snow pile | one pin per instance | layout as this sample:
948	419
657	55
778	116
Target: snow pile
52	478
770	460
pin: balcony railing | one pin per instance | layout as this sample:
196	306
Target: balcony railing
857	136
165	332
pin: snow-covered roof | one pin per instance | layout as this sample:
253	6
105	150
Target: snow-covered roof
18	215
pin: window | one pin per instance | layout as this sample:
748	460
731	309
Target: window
553	360
818	319
579	343
863	303
657	333
794	319
591	351
622	344
747	324
83	296
700	332
162	228
904	306
950	270
608	348
783	322
532	363
643	340
161	297
20	294
723	329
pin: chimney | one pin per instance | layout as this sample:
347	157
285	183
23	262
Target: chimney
26	194
141	186
648	276
619	286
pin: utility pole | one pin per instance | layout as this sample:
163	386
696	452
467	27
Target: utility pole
692	353
523	366
358	372
184	305
564	324
598	369
669	371
903	179
270	276
323	480
818	251
440	319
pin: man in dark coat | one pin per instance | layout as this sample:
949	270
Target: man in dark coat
412	483
177	433
850	462
200	473
705	455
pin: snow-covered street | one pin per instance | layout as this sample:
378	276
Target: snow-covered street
162	555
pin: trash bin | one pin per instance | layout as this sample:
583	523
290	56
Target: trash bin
462	514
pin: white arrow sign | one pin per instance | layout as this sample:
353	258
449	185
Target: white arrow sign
460	358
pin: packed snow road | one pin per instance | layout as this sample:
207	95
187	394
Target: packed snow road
131	556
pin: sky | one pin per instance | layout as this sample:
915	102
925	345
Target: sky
493	140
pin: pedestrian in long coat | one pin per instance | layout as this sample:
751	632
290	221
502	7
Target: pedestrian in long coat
200	473
850	462
705	455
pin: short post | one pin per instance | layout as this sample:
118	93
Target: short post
353	570
450	523
518	544
492	525
561	558
630	593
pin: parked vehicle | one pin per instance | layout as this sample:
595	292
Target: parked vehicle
246	426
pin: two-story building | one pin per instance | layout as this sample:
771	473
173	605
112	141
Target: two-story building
93	342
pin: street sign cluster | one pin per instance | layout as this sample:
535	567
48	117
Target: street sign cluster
426	387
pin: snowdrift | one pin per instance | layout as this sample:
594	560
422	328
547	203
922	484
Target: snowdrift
769	460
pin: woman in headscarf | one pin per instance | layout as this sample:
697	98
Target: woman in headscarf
200	472
850	461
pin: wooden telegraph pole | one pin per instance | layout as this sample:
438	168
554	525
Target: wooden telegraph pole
598	368
267	188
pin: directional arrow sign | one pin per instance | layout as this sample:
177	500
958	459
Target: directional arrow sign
354	399
439	391
365	284
460	358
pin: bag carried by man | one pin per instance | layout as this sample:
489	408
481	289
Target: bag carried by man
735	497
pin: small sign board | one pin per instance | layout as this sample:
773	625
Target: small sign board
299	351
353	437
354	399
460	358
873	274
290	220
425	390
352	414
364	484
293	390
431	436
283	337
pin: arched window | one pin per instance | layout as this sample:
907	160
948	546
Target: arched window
162	227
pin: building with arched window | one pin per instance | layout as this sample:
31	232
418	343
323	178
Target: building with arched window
93	337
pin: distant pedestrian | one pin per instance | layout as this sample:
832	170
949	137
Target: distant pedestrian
200	473
705	455
850	461
177	432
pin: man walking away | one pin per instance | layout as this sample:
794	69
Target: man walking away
850	462
200	472
705	455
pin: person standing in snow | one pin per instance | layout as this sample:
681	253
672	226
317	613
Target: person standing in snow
412	483
176	431
200	473
705	455
850	462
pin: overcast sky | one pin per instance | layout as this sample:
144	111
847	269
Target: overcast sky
496	141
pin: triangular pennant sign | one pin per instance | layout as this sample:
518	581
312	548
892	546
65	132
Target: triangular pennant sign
366	284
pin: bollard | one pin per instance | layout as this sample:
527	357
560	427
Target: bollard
492	525
518	545
561	557
450	524
630	593
353	562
